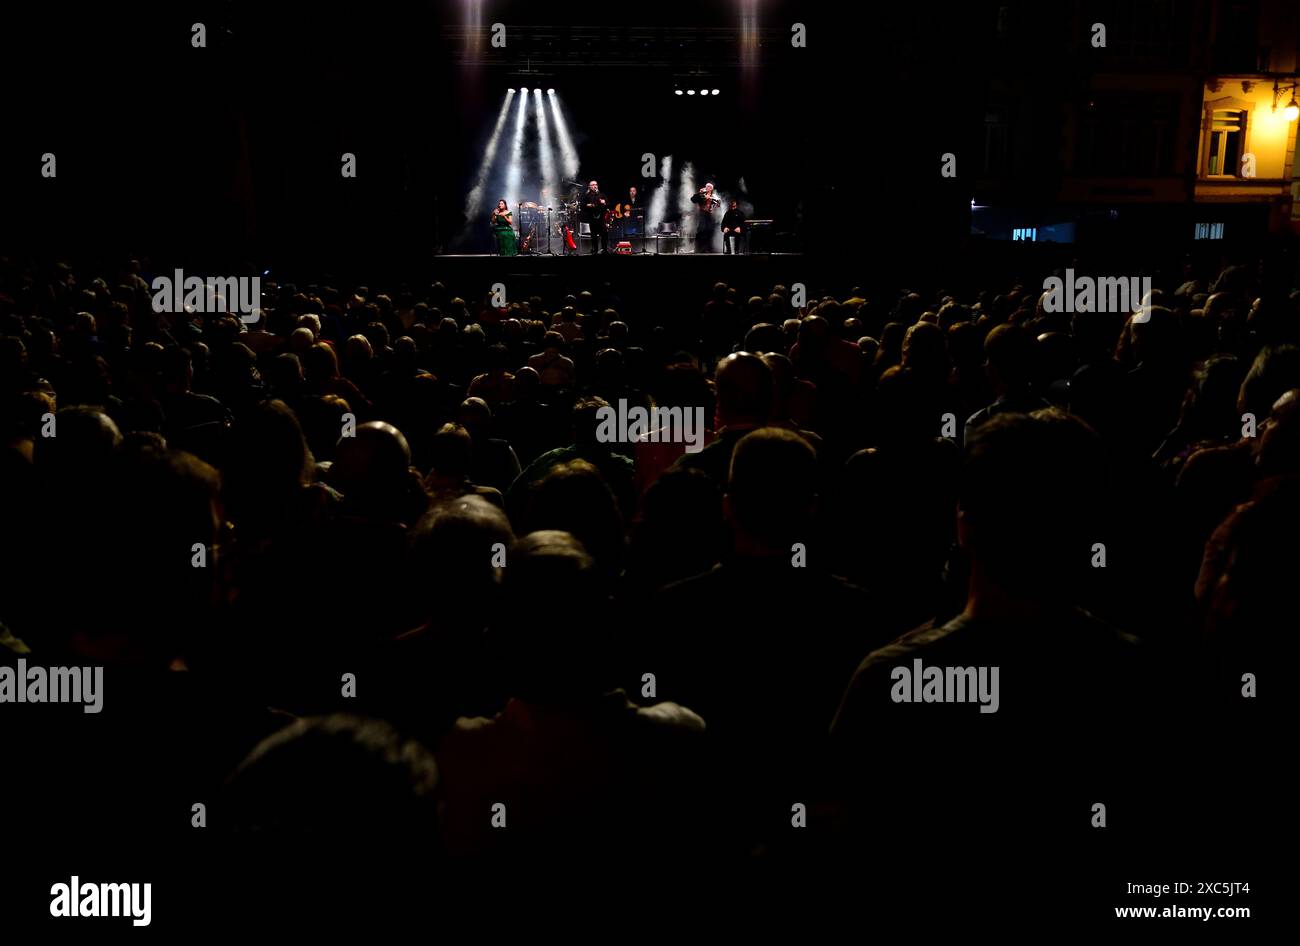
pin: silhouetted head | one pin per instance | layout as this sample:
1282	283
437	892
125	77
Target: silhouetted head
527	383
84	443
771	490
574	497
1009	357
1023	501
1275	370
1277	448
586	419
924	350
373	464
455	548
552	656
744	385
336	776
320	363
783	379
475	415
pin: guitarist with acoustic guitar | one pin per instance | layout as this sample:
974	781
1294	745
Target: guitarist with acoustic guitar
628	213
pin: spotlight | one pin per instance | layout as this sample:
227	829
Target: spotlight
550	91
475	199
545	154
677	91
716	92
704	91
690	91
514	165
523	91
568	153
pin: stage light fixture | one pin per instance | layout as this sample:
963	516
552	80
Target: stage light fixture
677	91
690	91
550	91
704	91
716	92
523	91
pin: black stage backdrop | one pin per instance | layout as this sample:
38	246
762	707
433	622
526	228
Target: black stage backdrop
234	150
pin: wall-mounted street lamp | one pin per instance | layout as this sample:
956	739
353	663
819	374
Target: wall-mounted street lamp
1292	110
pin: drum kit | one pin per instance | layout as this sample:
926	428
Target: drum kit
539	224
560	221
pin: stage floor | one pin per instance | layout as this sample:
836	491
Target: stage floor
643	274
555	256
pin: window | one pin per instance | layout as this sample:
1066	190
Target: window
1236	41
1027	234
1227	139
1126	135
1143	33
1209	231
997	143
1004	20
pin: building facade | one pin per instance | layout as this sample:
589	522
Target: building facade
1133	120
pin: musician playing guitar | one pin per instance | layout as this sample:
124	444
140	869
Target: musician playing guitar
628	207
594	210
629	213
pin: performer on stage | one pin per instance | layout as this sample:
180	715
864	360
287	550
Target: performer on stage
593	211
630	214
702	227
503	228
705	200
733	222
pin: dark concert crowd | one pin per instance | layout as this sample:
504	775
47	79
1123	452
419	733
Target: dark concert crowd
363	563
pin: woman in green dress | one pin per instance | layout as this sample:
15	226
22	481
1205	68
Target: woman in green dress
503	228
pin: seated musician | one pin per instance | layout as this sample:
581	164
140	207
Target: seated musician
733	223
629	212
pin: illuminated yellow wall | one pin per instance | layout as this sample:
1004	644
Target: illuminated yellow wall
1270	137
